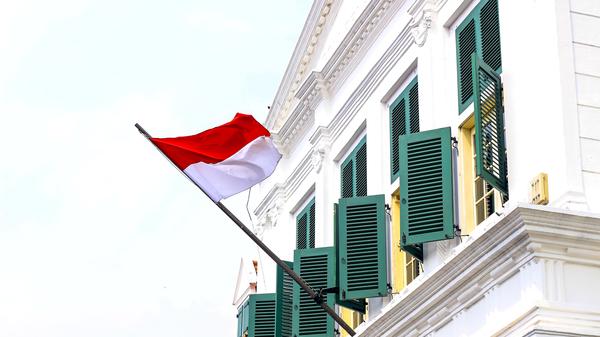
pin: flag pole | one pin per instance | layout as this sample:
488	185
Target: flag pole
317	297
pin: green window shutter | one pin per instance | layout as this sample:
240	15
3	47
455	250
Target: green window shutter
466	46
348	179
317	267
490	148
244	312
305	227
362	257
413	107
479	33
311	225
283	307
361	171
262	315
239	323
301	230
398	128
404	119
490	35
426	192
360	304
354	172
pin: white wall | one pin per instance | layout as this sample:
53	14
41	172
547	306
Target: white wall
585	17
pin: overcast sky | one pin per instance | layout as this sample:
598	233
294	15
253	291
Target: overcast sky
99	235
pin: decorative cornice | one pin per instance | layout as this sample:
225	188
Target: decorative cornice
363	32
297	66
523	237
319	84
366	87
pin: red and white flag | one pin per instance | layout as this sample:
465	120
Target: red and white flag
224	160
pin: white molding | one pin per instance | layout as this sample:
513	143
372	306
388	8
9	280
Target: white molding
269	209
522	237
300	60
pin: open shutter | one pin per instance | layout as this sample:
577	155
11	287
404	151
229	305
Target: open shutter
426	195
262	315
239	323
359	304
317	267
490	148
245	316
283	307
362	258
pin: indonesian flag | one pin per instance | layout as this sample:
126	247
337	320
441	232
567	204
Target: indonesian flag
224	160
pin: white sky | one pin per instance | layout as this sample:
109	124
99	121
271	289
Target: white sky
99	235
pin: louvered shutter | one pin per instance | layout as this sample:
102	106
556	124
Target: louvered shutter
490	146
301	230
354	172
490	35
305	227
348	179
426	195
262	315
283	307
317	267
360	304
479	33
466	46
360	179
239	323
362	258
404	119
398	128
311	225
413	108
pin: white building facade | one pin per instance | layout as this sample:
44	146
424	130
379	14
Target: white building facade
472	127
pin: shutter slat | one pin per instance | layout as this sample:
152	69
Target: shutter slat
362	255
426	206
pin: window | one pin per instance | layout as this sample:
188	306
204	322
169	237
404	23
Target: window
414	268
354	172
480	198
405	266
305	227
404	119
479	34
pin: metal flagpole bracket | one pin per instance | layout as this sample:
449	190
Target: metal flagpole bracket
317	297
